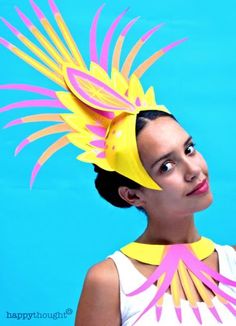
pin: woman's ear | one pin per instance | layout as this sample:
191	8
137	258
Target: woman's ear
133	197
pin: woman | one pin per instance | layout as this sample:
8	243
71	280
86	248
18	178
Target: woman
180	170
122	130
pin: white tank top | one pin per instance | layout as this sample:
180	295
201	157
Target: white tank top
131	307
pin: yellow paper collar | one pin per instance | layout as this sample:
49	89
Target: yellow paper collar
152	253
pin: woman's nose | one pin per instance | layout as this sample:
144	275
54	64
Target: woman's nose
192	170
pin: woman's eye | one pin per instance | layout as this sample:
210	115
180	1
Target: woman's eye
166	167
190	149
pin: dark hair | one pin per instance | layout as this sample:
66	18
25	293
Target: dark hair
107	183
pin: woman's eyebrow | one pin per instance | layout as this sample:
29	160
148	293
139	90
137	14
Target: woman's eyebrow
170	153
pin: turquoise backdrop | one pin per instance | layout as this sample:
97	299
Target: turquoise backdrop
51	235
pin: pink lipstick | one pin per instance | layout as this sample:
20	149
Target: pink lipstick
200	189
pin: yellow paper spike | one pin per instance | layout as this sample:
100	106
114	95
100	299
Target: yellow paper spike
62	127
46	44
117	52
76	122
82	113
130	58
40	54
175	286
42	117
38	66
55	38
60	143
147	63
119	83
72	103
69	40
99	73
201	289
92	157
135	89
185	279
80	140
159	282
223	300
150	96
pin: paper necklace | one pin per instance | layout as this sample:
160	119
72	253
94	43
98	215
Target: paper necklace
181	263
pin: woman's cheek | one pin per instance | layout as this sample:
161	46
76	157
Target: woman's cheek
202	162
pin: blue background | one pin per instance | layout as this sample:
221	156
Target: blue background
50	236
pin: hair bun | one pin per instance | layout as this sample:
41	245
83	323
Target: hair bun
97	169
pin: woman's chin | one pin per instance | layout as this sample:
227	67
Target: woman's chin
205	202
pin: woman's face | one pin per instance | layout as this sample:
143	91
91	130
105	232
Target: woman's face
177	174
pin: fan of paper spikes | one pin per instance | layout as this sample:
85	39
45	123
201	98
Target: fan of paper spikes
93	96
179	266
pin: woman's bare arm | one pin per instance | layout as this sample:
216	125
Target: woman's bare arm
99	303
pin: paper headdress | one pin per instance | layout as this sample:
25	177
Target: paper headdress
102	103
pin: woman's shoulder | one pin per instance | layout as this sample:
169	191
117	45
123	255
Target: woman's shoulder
99	301
103	272
227	258
227	247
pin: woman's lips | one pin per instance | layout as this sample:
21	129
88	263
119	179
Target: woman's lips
200	190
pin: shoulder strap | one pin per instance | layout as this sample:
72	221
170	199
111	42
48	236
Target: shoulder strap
130	277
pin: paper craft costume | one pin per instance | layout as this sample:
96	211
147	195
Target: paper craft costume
101	102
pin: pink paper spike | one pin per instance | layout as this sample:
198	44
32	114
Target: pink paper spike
106	114
33	103
197	314
231	308
40	37
169	263
37	10
158	312
128	26
197	267
35	171
147	35
101	155
178	313
24	18
107	41
21	146
97	130
49	152
13	123
215	314
30	88
98	143
119	43
136	48
53	7
5	43
172	45
137	101
11	27
93	36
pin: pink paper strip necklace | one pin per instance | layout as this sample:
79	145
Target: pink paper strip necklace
181	264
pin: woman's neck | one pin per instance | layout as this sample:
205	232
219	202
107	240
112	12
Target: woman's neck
170	231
